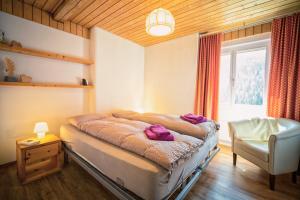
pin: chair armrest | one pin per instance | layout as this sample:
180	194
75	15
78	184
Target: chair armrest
284	149
233	129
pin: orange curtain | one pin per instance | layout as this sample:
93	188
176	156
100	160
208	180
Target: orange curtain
284	82
207	85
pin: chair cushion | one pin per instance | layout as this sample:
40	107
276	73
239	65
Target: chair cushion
258	149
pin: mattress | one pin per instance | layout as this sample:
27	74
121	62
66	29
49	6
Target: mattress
139	175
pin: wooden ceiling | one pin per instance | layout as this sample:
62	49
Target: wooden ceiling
126	18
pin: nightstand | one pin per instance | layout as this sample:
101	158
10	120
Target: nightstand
34	162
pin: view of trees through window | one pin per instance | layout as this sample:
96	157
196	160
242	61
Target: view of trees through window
249	77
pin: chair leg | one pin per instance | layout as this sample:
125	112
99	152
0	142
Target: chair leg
294	177
272	181
234	159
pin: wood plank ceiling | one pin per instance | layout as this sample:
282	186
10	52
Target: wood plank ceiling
126	18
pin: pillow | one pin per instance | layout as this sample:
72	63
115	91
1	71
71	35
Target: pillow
77	120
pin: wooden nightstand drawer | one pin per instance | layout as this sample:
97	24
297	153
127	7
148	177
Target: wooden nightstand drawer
36	167
33	155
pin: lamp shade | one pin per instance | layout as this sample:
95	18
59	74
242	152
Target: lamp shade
160	22
41	127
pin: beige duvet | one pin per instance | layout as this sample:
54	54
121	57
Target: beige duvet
174	123
129	135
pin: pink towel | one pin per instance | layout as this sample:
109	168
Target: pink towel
158	132
194	119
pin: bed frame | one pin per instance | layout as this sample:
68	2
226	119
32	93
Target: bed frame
179	193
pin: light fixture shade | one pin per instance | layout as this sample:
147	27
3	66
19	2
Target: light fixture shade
40	129
160	22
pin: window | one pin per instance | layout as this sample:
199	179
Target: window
243	81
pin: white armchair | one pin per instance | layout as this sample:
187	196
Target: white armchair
272	144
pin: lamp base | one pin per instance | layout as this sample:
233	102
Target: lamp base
40	135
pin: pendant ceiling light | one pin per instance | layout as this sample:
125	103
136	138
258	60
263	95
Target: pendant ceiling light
160	22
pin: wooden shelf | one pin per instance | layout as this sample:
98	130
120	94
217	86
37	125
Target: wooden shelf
45	54
44	85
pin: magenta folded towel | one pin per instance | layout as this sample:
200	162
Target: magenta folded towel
158	132
194	119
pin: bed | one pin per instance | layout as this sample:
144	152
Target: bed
131	176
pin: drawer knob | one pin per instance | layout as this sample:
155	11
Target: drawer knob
48	151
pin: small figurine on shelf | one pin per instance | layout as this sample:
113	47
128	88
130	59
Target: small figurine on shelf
84	82
16	44
9	69
3	39
2	36
25	79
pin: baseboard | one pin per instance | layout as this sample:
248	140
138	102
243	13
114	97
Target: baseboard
8	164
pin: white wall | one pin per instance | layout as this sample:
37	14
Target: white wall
170	75
21	107
119	72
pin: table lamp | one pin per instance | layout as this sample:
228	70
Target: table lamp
40	129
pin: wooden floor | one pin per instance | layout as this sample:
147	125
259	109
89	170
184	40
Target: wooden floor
220	181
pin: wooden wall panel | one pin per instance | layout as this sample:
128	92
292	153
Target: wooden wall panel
45	18
73	28
18	8
53	23
234	35
67	26
85	32
257	29
32	13
248	31
242	33
7	6
266	27
60	26
36	15
27	11
79	30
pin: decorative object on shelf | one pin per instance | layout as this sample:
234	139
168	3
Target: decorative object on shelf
9	69
25	79
160	22
15	44
2	36
84	81
40	129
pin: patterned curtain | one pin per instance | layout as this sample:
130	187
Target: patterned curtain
284	82
207	85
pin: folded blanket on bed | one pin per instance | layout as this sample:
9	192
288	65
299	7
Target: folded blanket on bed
158	132
129	135
194	119
174	123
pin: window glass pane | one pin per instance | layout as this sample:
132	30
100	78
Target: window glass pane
225	79
249	80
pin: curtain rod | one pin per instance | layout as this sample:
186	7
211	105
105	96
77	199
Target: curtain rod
248	25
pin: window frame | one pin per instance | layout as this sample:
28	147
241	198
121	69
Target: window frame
247	45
